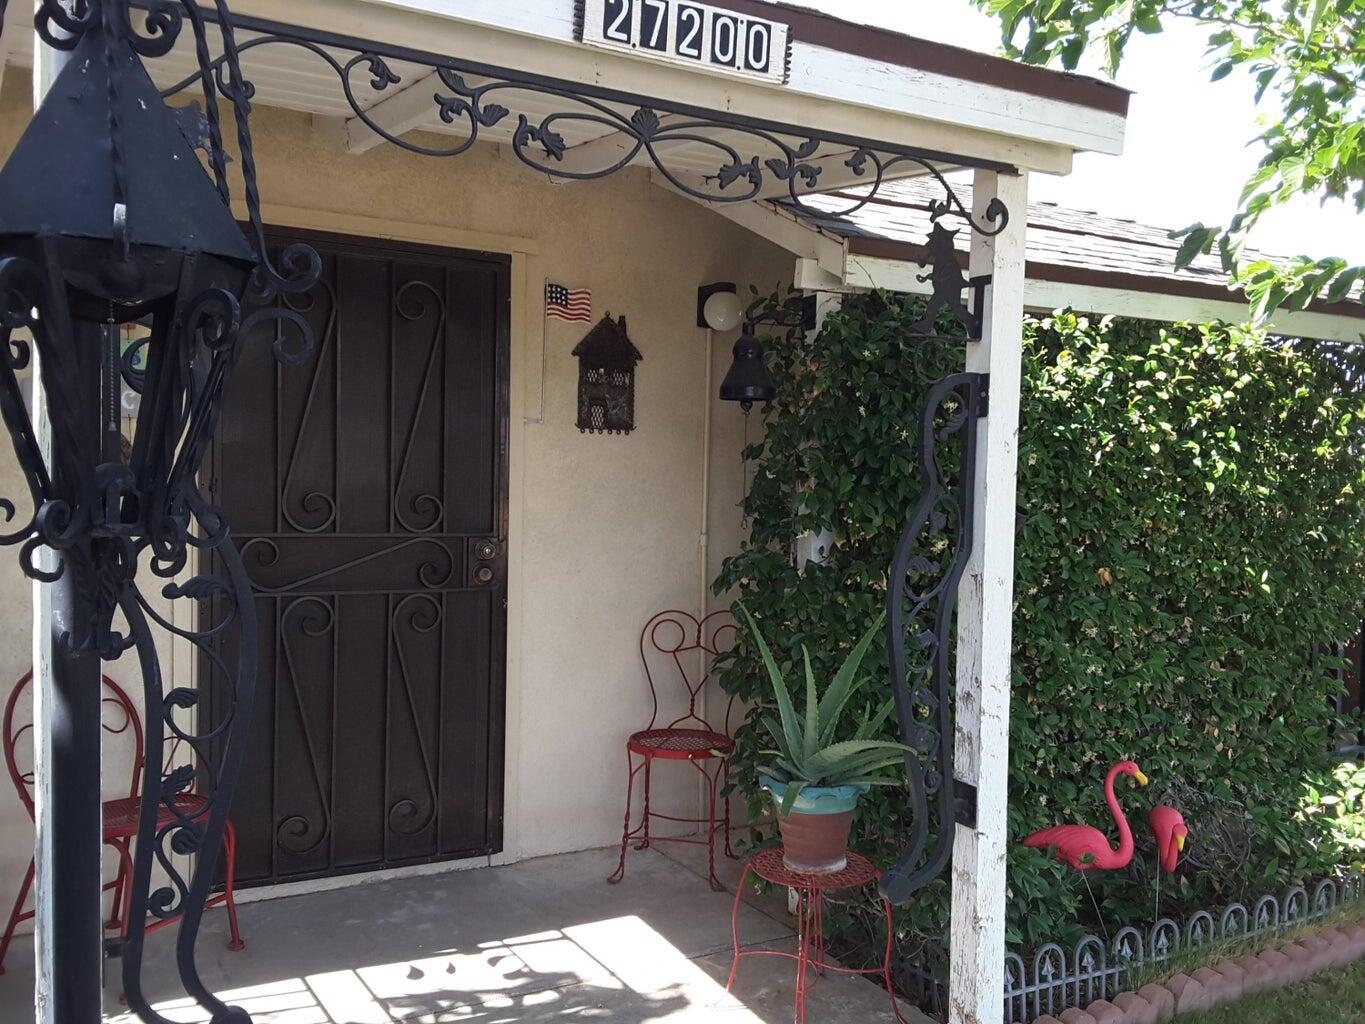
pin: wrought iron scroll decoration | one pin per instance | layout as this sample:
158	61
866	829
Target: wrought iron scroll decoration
470	92
922	586
101	517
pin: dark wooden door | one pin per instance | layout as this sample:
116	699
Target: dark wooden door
367	491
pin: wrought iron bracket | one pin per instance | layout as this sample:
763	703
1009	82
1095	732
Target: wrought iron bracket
977	315
922	587
983	397
964	810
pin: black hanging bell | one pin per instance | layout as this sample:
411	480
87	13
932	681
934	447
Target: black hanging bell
748	380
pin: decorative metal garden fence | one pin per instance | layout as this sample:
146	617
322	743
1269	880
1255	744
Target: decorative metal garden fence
1056	979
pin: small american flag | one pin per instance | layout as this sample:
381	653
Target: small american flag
568	303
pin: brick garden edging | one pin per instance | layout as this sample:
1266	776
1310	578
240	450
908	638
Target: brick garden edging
1225	981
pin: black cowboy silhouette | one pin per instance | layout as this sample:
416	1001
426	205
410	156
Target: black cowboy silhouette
947	278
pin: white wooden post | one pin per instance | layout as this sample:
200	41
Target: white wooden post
985	607
68	932
47	63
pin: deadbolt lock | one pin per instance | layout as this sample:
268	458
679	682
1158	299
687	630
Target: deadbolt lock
485	550
483	574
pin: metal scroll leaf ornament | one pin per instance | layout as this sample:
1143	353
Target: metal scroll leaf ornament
922	590
750	158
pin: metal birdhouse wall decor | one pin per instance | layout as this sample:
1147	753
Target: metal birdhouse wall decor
606	378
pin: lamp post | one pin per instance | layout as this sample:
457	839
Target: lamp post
107	216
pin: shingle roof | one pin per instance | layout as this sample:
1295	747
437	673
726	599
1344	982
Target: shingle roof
1064	245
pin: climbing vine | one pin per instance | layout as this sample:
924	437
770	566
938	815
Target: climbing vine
1193	534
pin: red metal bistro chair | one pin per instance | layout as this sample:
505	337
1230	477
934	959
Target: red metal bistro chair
680	638
120	819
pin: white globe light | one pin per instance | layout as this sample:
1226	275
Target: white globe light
723	311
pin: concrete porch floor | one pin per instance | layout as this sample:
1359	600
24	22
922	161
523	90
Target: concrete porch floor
545	940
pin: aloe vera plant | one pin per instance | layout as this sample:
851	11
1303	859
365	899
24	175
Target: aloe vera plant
807	754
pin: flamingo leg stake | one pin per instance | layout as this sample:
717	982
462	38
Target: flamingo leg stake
1099	916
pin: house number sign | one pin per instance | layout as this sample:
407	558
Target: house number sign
688	33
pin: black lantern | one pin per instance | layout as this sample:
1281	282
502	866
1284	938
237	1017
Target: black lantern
107	216
748	380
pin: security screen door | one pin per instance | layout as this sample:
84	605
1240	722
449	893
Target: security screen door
367	491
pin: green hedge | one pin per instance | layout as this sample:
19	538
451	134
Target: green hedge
1194	530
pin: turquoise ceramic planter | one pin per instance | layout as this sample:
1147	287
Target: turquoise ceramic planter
817	799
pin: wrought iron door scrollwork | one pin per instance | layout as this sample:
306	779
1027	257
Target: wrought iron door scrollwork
434	570
313	618
313	504
422	614
414	302
922	587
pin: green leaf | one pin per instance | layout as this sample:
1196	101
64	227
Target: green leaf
812	737
778	736
820	764
790	729
1196	242
844	683
873	725
793	790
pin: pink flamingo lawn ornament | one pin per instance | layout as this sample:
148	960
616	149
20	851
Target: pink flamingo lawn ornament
1085	847
1168	827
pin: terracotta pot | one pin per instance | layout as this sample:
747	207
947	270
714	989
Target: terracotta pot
815	831
815	844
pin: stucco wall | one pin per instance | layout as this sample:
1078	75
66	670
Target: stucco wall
604	530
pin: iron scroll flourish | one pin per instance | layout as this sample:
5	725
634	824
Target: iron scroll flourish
931	557
753	158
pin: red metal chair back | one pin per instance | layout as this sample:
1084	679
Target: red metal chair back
676	637
126	720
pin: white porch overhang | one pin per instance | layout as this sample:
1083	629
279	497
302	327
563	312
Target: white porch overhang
853	82
1076	259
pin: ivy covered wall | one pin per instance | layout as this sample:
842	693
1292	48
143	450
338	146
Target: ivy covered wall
1194	530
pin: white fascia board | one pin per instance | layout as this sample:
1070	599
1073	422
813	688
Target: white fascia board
869	272
836	92
848	78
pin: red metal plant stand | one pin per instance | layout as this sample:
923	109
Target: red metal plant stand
811	959
678	637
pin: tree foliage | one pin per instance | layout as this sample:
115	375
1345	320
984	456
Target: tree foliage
1309	55
1194	529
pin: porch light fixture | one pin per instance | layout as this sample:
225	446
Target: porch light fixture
108	216
721	308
